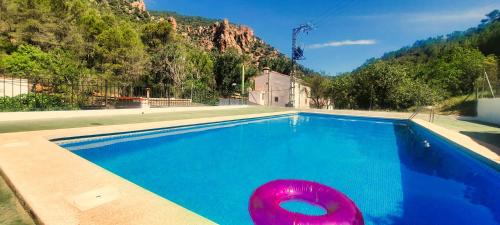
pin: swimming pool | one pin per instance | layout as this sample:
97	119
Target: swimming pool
394	170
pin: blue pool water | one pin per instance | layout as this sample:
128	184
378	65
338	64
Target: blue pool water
395	171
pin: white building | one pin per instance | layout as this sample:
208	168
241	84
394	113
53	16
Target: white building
488	110
277	93
11	87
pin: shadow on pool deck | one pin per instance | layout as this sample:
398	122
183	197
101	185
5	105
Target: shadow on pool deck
485	134
490	140
488	134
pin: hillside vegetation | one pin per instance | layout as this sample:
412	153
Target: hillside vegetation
78	41
426	73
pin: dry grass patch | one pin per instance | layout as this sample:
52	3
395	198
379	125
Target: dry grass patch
11	211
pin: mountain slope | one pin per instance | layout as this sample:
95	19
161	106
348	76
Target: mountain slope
426	73
220	35
79	41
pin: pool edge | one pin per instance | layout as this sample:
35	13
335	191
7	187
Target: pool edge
467	144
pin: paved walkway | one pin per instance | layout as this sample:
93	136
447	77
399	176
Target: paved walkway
487	135
91	121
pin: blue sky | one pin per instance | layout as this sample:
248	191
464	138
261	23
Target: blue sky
348	32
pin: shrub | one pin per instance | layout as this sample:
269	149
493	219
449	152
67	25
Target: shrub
34	102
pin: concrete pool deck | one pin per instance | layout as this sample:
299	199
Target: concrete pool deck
59	187
26	122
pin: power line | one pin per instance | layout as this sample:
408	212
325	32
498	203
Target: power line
340	10
324	14
333	11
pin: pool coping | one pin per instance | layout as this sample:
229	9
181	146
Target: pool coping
466	143
58	187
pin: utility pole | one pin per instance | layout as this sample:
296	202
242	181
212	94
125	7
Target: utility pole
267	72
243	80
243	84
489	84
297	54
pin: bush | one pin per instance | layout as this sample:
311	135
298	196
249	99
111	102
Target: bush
34	102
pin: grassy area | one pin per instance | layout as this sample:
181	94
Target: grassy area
460	105
11	211
49	124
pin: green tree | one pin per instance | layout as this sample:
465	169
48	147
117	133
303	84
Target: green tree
227	70
157	34
201	68
121	53
169	65
27	62
65	67
201	80
320	90
455	70
383	85
281	65
341	92
491	17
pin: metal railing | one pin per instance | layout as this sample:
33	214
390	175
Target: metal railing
21	94
432	112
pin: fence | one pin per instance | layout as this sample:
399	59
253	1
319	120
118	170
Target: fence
19	94
488	86
233	101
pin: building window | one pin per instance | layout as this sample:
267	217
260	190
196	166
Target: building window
276	99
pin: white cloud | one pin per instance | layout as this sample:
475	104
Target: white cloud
342	43
443	17
474	15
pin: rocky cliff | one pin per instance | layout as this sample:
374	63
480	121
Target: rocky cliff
222	36
219	35
139	5
209	34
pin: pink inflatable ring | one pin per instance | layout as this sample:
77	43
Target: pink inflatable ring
265	203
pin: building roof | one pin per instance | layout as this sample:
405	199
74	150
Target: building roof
272	73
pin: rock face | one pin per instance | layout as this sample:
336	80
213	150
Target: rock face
139	5
227	36
223	36
173	23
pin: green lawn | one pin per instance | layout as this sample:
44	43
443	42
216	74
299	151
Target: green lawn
11	211
49	124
